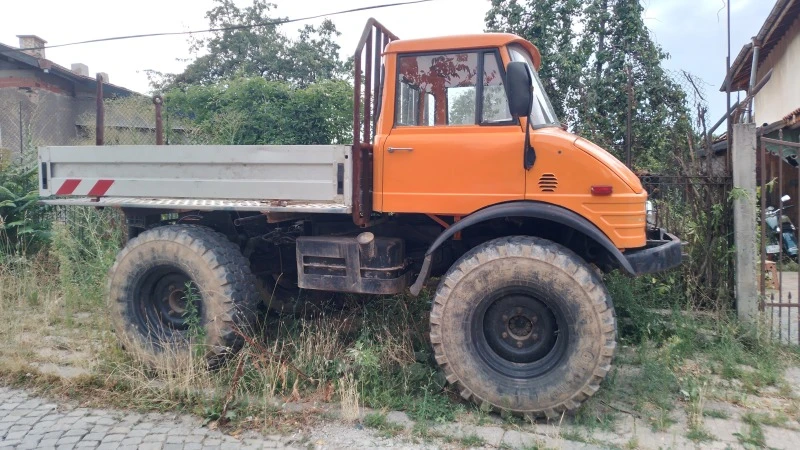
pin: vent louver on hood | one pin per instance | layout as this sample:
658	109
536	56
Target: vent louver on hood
548	182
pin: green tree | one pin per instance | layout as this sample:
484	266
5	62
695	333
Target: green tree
252	45
621	70
599	61
246	111
548	24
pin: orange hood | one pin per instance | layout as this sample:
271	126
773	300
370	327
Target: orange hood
616	166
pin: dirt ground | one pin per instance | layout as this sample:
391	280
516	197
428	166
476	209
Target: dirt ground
721	414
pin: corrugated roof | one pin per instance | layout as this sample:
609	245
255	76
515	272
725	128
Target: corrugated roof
782	16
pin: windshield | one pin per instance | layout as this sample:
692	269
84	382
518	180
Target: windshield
542	113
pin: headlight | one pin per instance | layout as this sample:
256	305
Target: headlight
650	212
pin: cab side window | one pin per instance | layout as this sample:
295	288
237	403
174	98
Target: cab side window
437	89
494	106
451	89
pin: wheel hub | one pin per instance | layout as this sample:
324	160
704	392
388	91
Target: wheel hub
162	299
520	328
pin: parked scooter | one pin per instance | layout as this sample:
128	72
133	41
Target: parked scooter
780	231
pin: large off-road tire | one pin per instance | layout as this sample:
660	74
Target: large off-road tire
155	316
521	324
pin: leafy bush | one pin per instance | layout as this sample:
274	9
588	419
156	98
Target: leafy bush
24	223
247	111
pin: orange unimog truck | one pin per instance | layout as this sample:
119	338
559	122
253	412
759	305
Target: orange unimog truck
459	170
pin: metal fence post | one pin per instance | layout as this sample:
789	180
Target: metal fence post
158	101
743	158
100	115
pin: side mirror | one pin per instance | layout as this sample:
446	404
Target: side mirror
520	89
785	198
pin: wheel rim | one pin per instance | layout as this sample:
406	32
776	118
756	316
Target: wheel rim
519	332
161	301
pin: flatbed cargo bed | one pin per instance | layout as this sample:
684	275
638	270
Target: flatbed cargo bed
266	178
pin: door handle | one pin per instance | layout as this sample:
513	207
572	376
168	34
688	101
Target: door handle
400	149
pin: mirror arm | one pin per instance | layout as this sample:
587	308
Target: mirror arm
529	151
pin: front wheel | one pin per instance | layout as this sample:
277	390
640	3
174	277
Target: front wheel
524	325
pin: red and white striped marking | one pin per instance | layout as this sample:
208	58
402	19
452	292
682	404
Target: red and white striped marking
92	188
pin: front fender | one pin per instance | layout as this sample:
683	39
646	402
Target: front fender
535	210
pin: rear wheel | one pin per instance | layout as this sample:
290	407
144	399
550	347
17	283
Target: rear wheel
174	284
522	324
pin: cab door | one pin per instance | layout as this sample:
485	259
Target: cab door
454	147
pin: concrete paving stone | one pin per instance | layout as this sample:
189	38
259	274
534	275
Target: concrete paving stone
28	440
200	431
14	435
155	438
193	438
120	430
136	440
113	438
69	440
87	444
8	406
76	432
24	446
724	429
78	412
65	446
48	442
138	432
28	420
50	438
45	423
9	444
144	426
211	447
781	438
150	446
172	447
17	427
193	446
100	428
176	438
212	441
108	446
106	421
230	445
128	447
94	437
491	435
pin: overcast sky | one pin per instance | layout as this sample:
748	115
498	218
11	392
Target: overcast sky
693	32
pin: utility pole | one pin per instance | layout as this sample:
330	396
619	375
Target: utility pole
628	119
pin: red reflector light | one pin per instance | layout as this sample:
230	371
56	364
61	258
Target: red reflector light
602	190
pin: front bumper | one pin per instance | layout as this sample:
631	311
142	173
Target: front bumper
662	252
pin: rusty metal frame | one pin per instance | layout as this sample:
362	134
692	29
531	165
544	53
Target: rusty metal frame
374	37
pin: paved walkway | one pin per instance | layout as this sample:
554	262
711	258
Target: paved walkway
32	423
28	422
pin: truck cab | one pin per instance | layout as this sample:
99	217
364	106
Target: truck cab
447	143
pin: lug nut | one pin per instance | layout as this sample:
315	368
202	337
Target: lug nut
519	344
505	335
